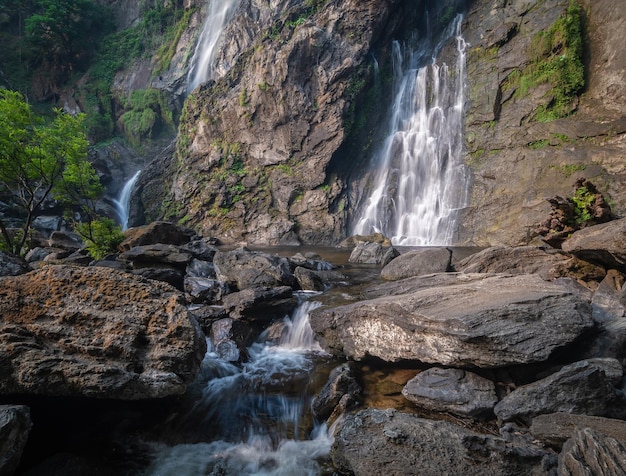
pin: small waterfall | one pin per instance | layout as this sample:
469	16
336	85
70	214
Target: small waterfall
248	420
202	63
122	203
421	183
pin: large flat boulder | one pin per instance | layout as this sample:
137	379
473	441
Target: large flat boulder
556	428
393	443
604	244
97	332
590	452
496	321
418	262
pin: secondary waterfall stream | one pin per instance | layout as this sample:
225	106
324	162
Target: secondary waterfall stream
420	183
122	203
248	419
203	61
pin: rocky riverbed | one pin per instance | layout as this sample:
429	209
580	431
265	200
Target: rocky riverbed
448	361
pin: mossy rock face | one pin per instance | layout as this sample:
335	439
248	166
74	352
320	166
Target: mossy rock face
533	125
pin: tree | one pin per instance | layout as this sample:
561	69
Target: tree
40	160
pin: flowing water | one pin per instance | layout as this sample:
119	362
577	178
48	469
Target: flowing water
202	66
253	419
122	203
421	183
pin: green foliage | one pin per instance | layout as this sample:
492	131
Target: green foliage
583	200
39	160
102	236
539	144
557	60
147	111
569	169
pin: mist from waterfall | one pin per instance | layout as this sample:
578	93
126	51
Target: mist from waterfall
122	203
421	184
202	66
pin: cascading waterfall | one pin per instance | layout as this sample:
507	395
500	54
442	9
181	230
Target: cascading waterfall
248	418
202	66
421	183
122	203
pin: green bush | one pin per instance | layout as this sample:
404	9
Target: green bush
102	236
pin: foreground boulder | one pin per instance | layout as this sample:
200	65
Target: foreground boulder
11	265
242	269
418	262
15	425
95	332
496	321
590	452
556	428
392	443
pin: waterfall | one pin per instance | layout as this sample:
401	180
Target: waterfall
421	184
122	203
202	63
249	418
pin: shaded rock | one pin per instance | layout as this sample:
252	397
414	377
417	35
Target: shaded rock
205	290
165	274
582	387
200	269
311	261
260	304
418	262
497	321
65	241
393	443
341	383
452	390
244	269
589	452
37	254
548	263
373	253
309	280
97	332
158	253
200	250
605	304
603	244
156	232
11	265
222	334
207	315
556	428
15	425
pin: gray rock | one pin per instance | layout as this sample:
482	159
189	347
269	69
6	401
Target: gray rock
15	425
497	321
260	304
581	387
418	262
222	338
200	269
556	428
163	273
96	332
606	304
244	269
452	390
589	452
309	280
37	254
65	241
373	253
200	249
11	265
139	256
205	290
549	263
155	233
604	244
341	383
396	444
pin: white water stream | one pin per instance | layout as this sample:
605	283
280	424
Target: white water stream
202	66
421	183
122	203
252	414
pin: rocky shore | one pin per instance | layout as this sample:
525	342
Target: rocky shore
520	350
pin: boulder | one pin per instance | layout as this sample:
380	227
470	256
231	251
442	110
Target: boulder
95	332
589	452
15	425
496	321
308	280
65	241
244	269
603	244
311	261
355	240
452	390
11	265
582	387
393	443
373	253
205	290
556	428
605	304
163	273
200	269
140	256
549	263
341	390
260	304
200	249
153	233
418	262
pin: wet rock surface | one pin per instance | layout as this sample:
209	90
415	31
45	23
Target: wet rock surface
15	425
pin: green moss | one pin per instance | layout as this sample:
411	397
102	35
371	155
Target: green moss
556	58
539	144
568	169
147	113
